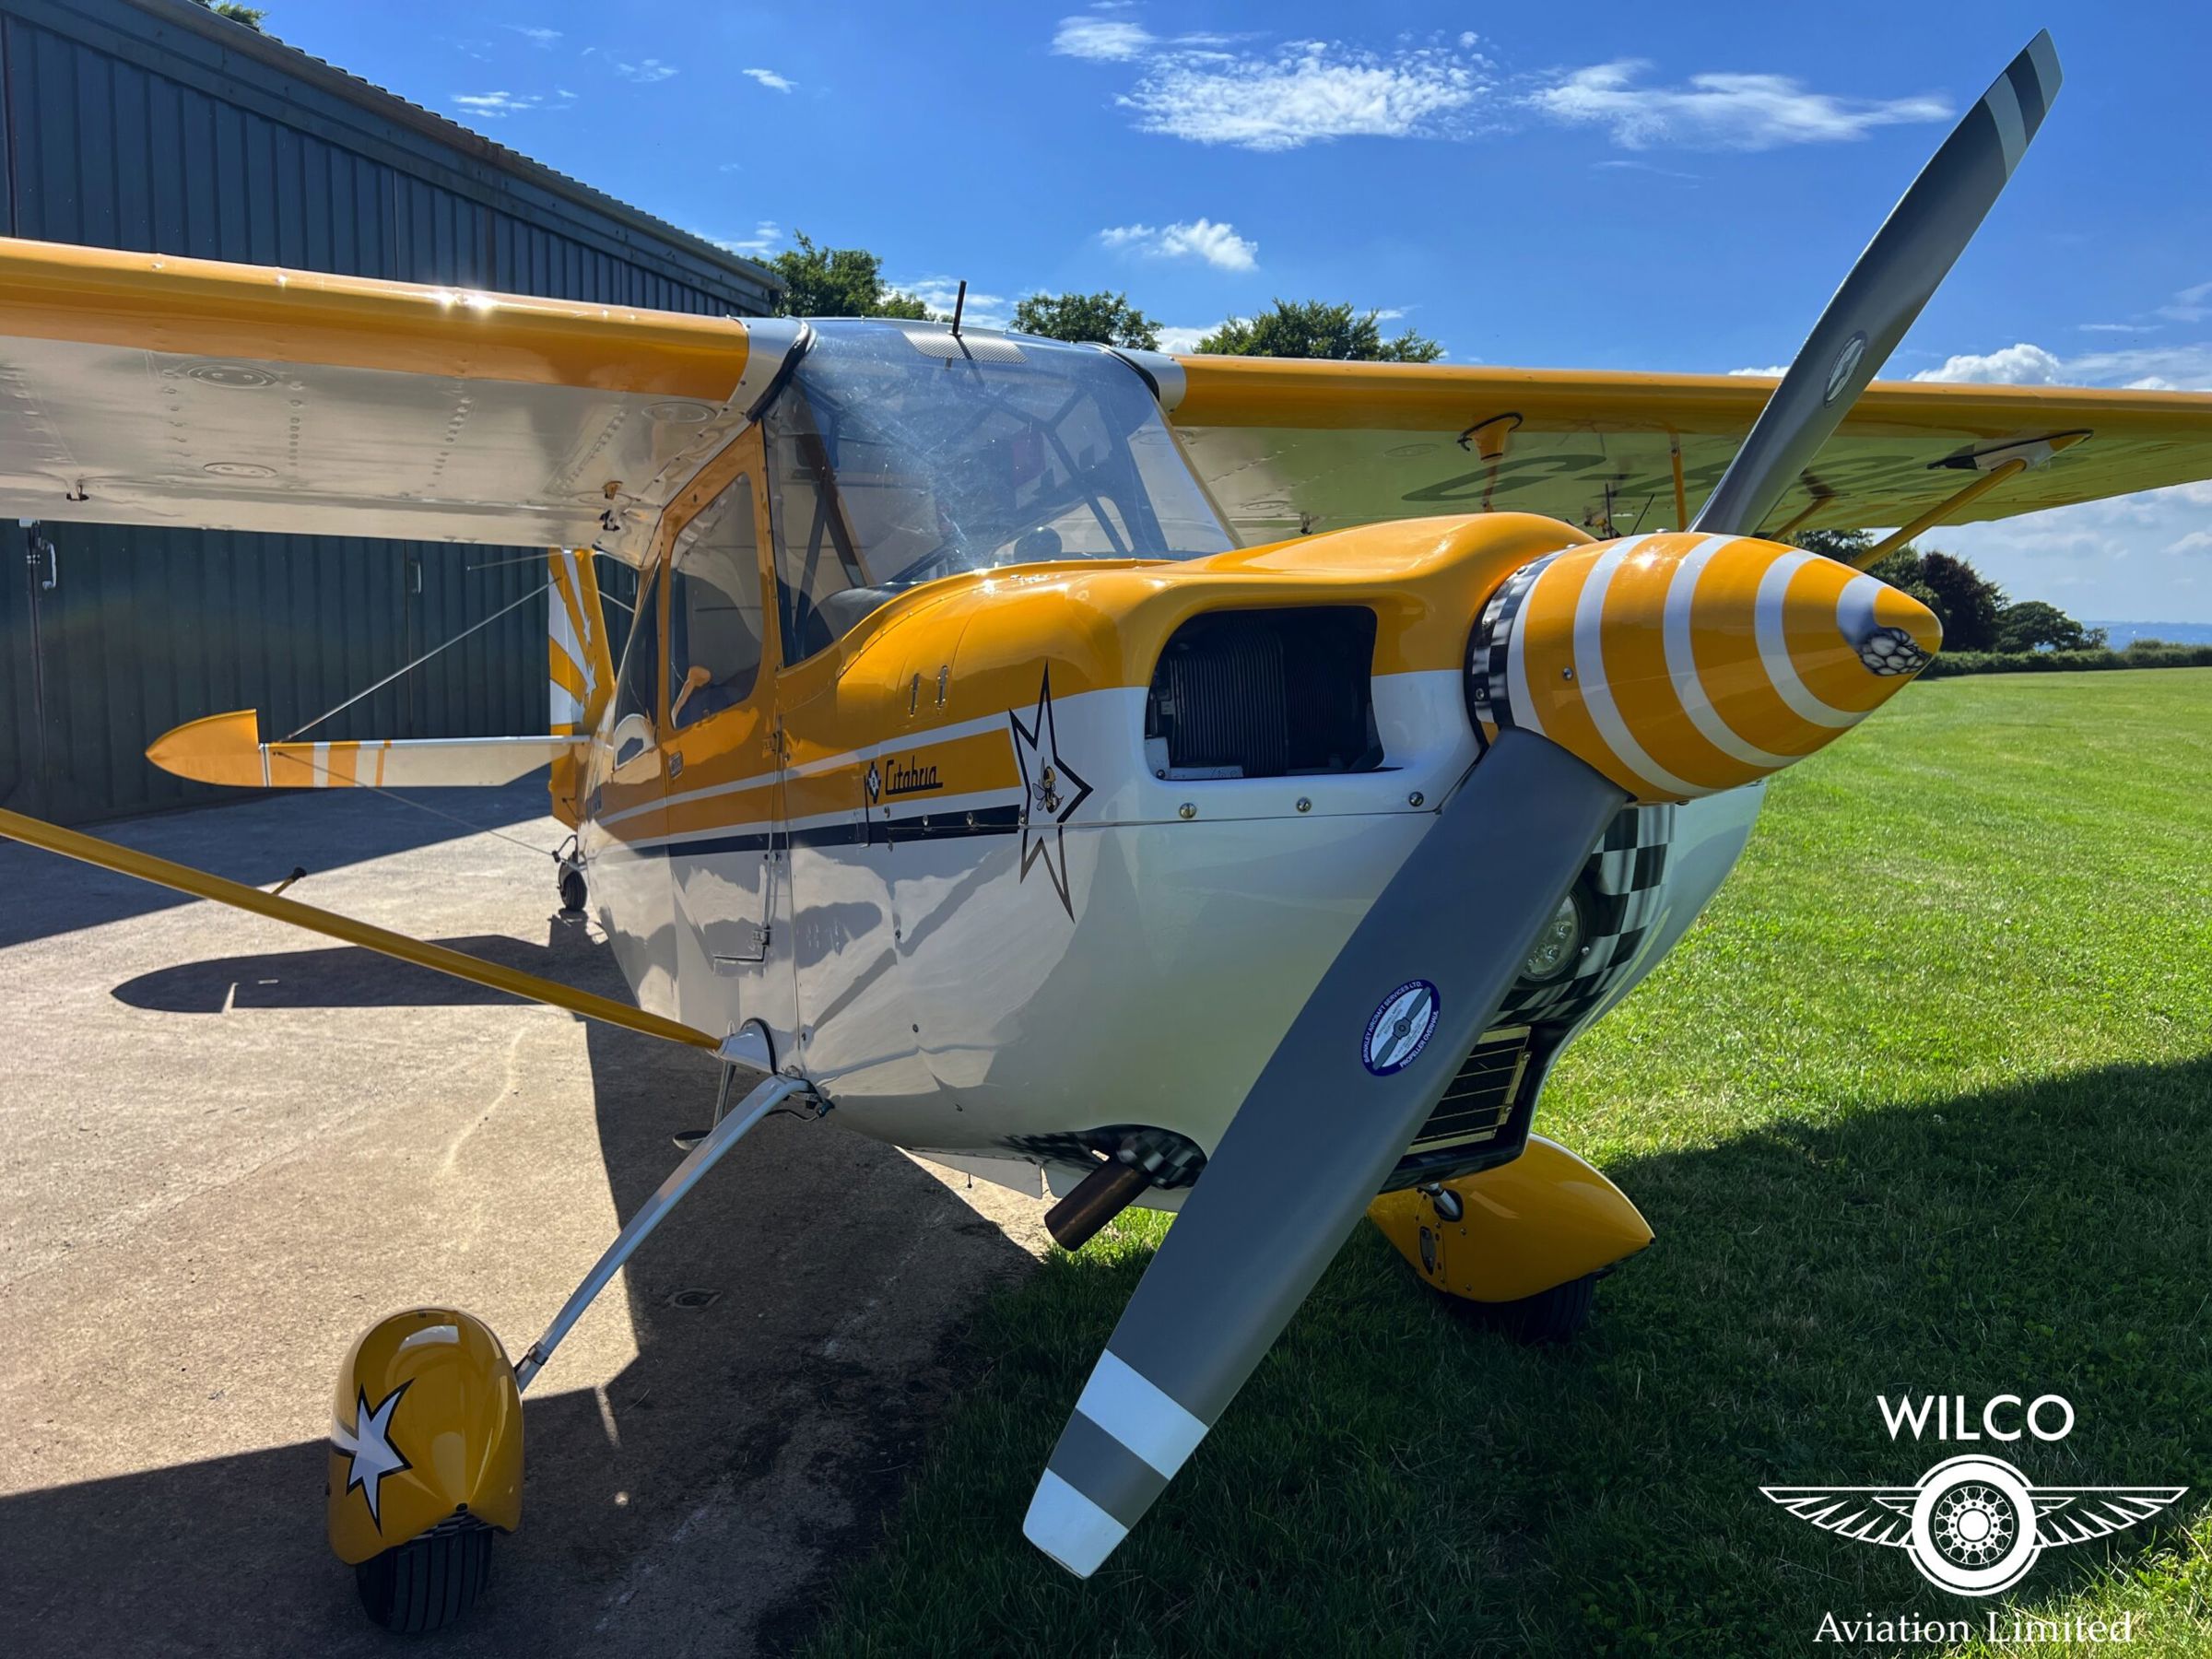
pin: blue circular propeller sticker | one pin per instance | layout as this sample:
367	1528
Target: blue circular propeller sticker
1401	1027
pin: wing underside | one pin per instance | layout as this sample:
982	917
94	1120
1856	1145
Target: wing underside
1292	447
140	389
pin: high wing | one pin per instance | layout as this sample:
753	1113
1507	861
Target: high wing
1866	1514
1290	447
142	389
2076	1514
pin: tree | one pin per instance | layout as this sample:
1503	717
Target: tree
2031	625
1973	610
1846	546
1966	601
1313	328
1107	318
838	282
251	16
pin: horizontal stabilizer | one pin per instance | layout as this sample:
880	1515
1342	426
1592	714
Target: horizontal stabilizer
228	749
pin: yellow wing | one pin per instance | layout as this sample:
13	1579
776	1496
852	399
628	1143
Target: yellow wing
142	389
1298	446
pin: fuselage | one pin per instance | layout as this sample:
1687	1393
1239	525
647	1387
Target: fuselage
959	747
949	875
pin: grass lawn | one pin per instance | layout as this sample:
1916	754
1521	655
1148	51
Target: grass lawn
1923	1105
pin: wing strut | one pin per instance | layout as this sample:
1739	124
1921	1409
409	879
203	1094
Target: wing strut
145	866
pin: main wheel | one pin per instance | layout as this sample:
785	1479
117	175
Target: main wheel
426	1583
1558	1314
572	892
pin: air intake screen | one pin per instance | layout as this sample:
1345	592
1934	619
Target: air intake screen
1267	694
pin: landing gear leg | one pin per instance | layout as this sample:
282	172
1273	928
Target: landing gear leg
727	1132
573	892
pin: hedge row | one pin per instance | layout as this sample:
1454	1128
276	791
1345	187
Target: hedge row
1949	662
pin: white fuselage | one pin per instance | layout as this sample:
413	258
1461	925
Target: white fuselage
960	973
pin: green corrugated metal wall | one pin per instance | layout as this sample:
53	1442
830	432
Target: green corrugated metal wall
135	123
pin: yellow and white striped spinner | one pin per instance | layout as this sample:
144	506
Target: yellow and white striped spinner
1681	665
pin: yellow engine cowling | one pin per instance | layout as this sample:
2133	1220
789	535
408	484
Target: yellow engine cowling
1544	1219
426	1426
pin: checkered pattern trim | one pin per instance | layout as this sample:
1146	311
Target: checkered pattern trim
1620	889
1492	640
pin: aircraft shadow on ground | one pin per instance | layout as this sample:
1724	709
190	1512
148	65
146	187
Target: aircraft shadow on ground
2051	1235
319	830
732	1401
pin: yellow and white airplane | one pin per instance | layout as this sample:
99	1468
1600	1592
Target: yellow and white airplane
1219	784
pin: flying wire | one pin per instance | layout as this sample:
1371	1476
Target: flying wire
419	661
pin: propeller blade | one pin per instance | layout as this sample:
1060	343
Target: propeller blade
1908	256
1336	1106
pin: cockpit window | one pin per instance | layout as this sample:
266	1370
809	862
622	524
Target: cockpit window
899	456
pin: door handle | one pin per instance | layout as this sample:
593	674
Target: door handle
41	545
675	764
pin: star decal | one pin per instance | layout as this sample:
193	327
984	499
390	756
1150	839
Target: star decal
1051	791
369	1445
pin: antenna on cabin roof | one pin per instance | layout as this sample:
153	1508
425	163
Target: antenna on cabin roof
959	304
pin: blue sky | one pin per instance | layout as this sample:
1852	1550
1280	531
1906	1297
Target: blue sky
1629	186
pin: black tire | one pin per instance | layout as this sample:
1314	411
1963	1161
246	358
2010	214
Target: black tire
572	891
1558	1314
426	1583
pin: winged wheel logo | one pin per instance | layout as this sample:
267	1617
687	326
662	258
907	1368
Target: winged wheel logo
1973	1525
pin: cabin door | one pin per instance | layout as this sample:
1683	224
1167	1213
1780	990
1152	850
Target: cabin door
719	749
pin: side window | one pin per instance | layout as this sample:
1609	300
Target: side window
638	687
821	589
714	619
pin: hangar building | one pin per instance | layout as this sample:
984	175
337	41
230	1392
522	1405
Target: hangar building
155	124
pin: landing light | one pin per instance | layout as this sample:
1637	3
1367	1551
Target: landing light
1558	947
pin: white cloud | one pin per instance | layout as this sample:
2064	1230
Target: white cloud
2102	560
2191	305
646	70
2093	558
1304	92
493	106
1175	339
1619	165
2020	364
2138	368
985	311
766	236
1218	246
542	38
772	80
1775	369
1102	40
1720	112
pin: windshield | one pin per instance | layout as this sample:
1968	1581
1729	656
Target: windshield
898	455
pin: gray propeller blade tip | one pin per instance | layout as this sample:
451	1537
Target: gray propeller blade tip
2020	98
1883	292
1069	1527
